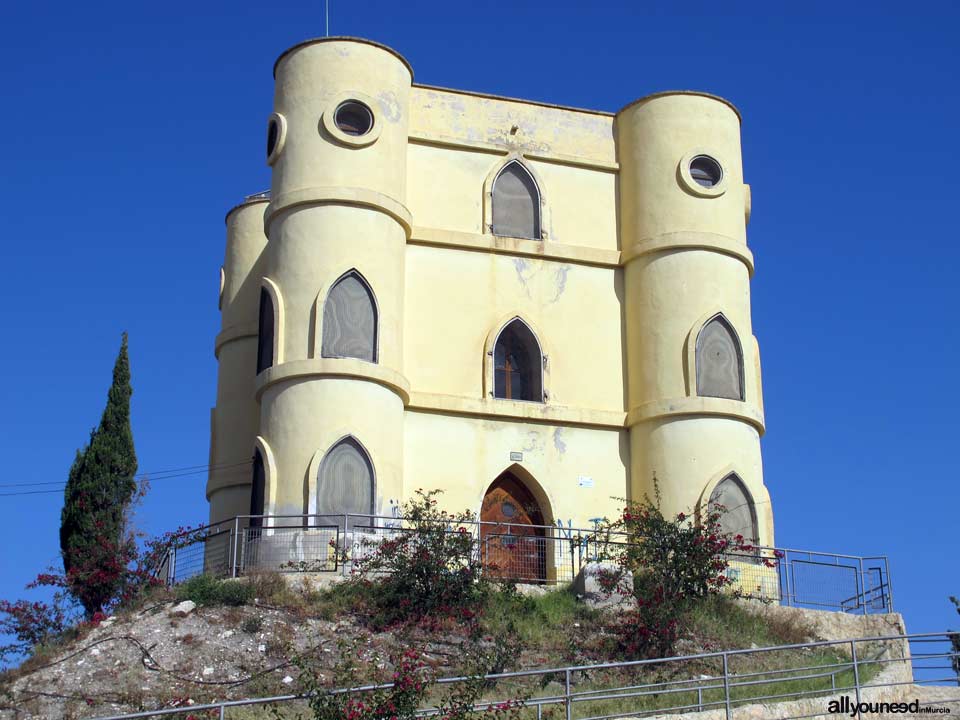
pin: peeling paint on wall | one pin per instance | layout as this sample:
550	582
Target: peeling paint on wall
558	442
389	105
533	442
560	281
523	273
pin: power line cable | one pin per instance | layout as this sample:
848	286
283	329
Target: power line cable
155	475
145	476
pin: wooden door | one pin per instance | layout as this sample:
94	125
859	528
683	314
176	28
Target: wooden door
512	545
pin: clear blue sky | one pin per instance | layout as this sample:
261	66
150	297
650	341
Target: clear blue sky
129	129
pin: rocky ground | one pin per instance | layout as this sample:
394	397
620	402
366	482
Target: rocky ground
171	654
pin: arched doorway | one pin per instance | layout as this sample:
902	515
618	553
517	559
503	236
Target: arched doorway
512	538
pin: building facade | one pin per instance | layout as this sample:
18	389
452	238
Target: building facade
538	309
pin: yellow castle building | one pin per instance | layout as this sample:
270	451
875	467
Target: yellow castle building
538	309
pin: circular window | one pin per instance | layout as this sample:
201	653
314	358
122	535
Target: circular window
508	509
353	118
276	134
706	171
273	134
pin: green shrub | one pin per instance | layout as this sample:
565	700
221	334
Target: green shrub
208	590
426	570
676	563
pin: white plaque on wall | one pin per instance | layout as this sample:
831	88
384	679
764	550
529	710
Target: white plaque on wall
585	481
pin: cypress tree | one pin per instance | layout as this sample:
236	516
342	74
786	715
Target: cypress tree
100	487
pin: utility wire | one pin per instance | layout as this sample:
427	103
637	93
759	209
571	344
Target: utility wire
160	475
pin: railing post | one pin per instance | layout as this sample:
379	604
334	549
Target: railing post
856	673
785	569
726	686
346	521
172	566
566	697
223	712
699	699
234	538
863	587
889	584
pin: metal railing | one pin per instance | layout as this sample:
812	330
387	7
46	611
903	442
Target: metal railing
809	675
523	553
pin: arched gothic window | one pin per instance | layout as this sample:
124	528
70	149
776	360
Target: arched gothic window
265	332
350	320
345	482
719	360
517	364
516	203
257	490
739	516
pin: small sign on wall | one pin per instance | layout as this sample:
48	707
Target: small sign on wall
516	456
585	481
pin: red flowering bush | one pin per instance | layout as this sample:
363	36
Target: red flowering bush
426	569
401	687
393	695
127	575
31	623
674	562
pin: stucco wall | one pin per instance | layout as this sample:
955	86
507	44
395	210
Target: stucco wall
464	454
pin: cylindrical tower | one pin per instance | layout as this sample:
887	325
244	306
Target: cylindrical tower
233	422
694	398
334	274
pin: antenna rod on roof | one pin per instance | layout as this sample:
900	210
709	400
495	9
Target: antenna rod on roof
327	6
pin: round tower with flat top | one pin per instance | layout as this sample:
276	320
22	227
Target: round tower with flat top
234	420
330	380
695	407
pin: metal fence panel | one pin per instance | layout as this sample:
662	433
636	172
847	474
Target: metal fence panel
548	555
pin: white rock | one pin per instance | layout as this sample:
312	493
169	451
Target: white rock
208	671
184	608
262	647
95	651
287	680
226	633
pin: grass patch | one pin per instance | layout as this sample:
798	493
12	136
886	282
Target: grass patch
537	621
724	624
208	590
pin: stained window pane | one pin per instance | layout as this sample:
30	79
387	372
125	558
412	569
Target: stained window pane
345	481
518	365
719	361
516	203
350	321
739	515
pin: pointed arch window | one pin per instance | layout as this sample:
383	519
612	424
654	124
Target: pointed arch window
265	333
517	364
257	490
350	320
516	203
738	515
719	360
345	481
